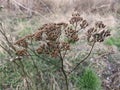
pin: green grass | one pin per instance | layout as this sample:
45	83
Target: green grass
10	73
89	81
113	41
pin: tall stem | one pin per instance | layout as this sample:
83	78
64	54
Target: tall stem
83	58
63	71
66	78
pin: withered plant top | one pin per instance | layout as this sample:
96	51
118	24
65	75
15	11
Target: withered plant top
50	34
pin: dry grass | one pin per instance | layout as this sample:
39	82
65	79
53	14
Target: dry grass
64	5
19	23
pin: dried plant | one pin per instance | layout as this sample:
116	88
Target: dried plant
47	41
97	33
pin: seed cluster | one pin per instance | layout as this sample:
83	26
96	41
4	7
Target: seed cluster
22	52
77	23
77	20
84	24
22	42
50	33
97	33
72	35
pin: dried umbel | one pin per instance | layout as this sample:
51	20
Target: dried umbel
72	35
50	33
78	21
84	24
99	37
97	33
22	52
53	48
55	53
38	35
54	32
100	24
51	30
75	19
56	48
22	42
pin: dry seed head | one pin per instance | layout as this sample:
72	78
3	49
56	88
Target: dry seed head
22	52
52	33
75	37
75	18
39	50
22	42
54	53
84	24
99	24
38	35
71	34
97	35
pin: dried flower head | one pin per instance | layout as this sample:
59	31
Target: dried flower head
50	35
39	50
97	34
55	53
22	52
38	35
72	35
100	24
75	18
22	42
84	24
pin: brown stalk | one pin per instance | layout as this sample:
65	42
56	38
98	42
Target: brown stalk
83	59
63	71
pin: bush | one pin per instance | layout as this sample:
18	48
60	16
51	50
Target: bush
89	81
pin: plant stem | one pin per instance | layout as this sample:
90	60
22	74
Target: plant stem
66	79
83	58
63	71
